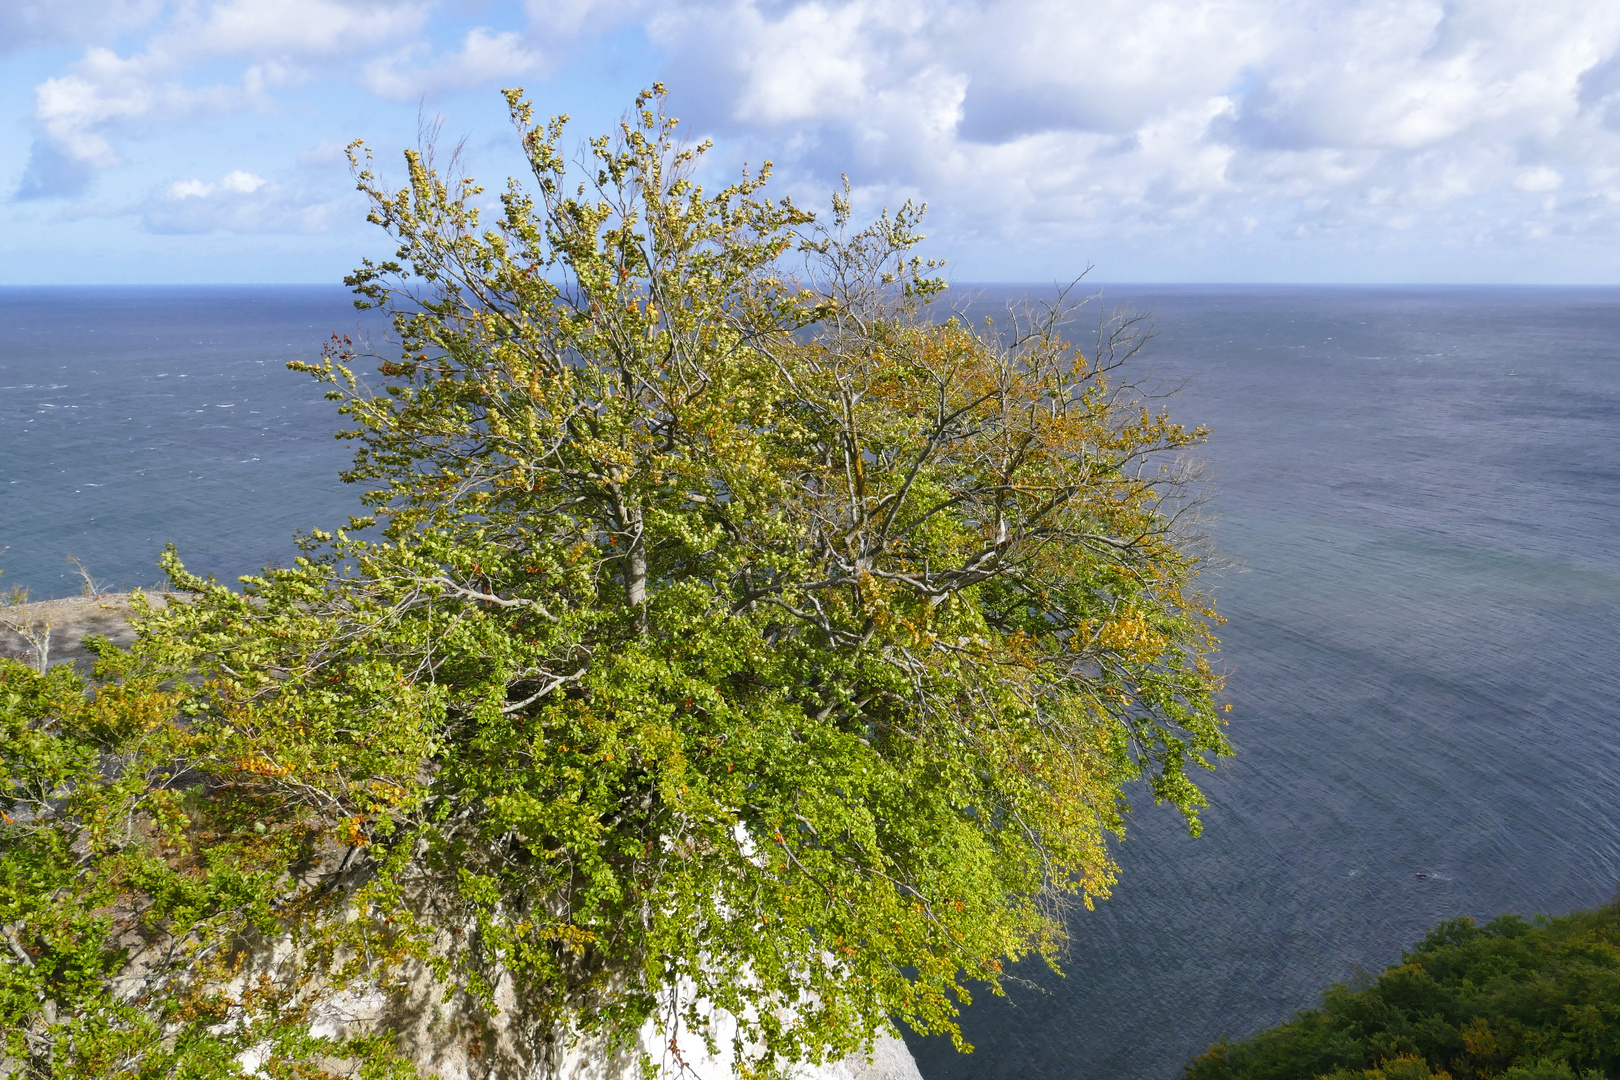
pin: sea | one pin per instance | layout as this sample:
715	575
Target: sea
1415	497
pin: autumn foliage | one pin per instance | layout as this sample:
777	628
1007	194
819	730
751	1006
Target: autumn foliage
733	631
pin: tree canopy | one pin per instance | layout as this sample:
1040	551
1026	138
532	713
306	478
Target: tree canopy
1513	999
730	633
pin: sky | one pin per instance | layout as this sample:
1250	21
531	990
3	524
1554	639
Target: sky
1400	141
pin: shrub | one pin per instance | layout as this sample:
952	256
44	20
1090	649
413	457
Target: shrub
1513	998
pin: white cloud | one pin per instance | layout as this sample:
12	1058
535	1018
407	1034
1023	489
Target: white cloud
104	90
483	58
323	154
237	202
32	24
563	21
235	182
1065	123
1124	118
1539	179
103	94
297	31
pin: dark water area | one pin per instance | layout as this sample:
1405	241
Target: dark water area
1419	489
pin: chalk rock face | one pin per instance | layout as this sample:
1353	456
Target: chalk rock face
458	1040
469	1044
890	1060
54	630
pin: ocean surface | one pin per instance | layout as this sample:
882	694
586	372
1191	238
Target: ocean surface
131	418
1418	490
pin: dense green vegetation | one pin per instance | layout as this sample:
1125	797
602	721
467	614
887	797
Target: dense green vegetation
1512	999
138	885
730	633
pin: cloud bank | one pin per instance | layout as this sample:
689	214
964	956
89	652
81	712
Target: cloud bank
1303	133
1472	122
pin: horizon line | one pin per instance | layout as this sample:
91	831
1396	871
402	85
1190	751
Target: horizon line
965	284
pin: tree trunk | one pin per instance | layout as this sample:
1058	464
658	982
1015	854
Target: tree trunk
635	562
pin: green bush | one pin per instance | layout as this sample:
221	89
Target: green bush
1512	999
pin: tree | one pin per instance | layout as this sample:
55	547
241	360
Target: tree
738	637
1513	999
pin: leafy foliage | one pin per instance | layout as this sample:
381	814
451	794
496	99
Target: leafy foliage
736	638
138	895
1527	1000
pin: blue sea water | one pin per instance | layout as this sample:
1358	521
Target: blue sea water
132	417
1419	490
1422	490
